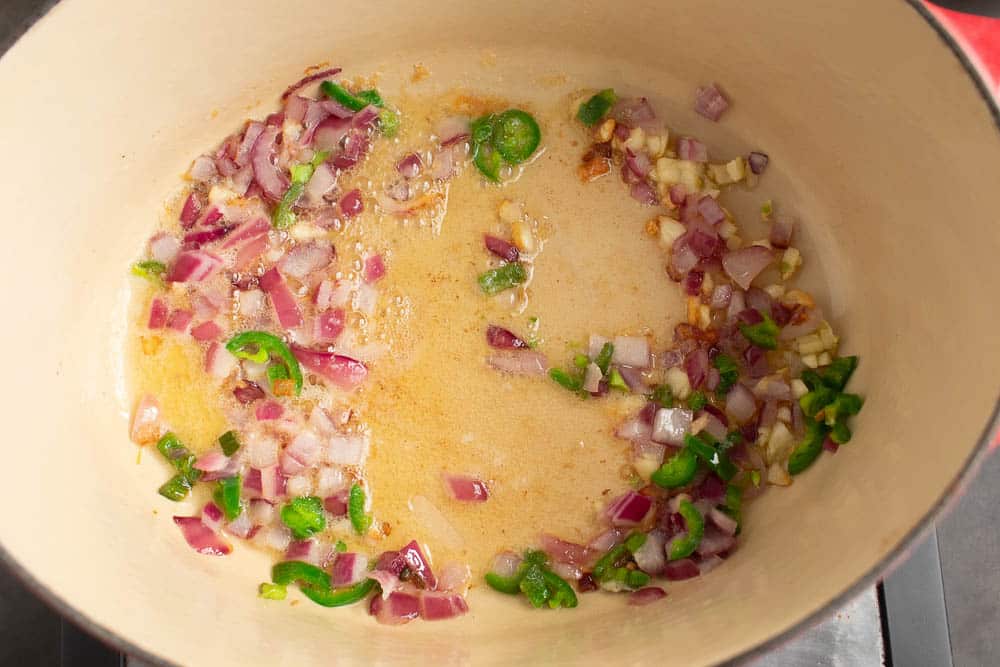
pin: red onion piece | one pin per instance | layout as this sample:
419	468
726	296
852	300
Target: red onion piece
710	102
206	331
715	427
164	248
250	136
328	325
397	609
714	542
639	163
466	489
711	488
441	606
522	362
773	387
191	210
329	133
562	551
781	231
409	165
690	149
713	379
418	565
304	550
501	248
682	258
351	204
644	193
347	449
629	509
270	179
634	112
246	232
692	282
341	370
769	414
746	264
710	210
646	595
269	410
387	581
336	504
755	360
365	118
696	367
158	314
830	446
213	461
812	322
504	339
723	521
740	403
201	538
758	162
309	78
248	393
631	351
608	539
197	239
634	429
305	259
219	363
670	425
679	570
285	307
348	568
212	517
374	268
633	378
452	129
193	266
506	563
650	557
203	169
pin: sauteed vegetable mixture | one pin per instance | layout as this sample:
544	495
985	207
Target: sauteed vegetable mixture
281	364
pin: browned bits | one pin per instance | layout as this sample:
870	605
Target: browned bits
284	387
386	528
586	583
594	169
653	227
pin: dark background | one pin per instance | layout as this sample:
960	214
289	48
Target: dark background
944	600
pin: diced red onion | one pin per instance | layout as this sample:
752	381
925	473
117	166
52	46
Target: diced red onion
501	248
219	363
212	461
830	446
387	582
212	517
562	551
756	361
329	134
592	378
180	320
639	163
710	210
328	325
713	379
670	425
781	231
608	539
677	194
247	393
418	565
310	78
633	377
650	557
503	339
441	606
351	204
629	509
715	427
206	331
466	489
304	550
812	322
409	165
454	577
737	304
347	449
679	570
147	424
758	162
696	367
306	258
366	117
349	568
773	387
522	362
631	351
723	521
164	248
336	504
262	452
710	102
341	370
374	268
692	282
646	595
740	403
769	414
634	112
191	210
506	563
715	541
682	258
285	307
201	538
634	429
746	264
690	149
247	231
159	313
452	129
398	608
271	180
203	169
193	266
644	193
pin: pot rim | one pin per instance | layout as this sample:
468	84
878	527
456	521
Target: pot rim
898	553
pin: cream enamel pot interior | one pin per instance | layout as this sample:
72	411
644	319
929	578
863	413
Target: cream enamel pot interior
879	138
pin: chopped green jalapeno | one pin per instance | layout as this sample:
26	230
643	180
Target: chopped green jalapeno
533	586
183	462
603	359
343	96
812	379
150	269
516	135
597	107
729	373
809	449
481	129
716	460
283	216
685	545
304	516
340	547
608	560
510	585
227	496
273	591
561	594
676	471
338	597
230	443
734	498
176	488
840	433
616	381
536	557
488	161
763	334
697	400
388	122
297	571
636	579
843	406
635	541
581	361
836	375
663	396
356	510
258	346
370	96
502	278
816	400
565	380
